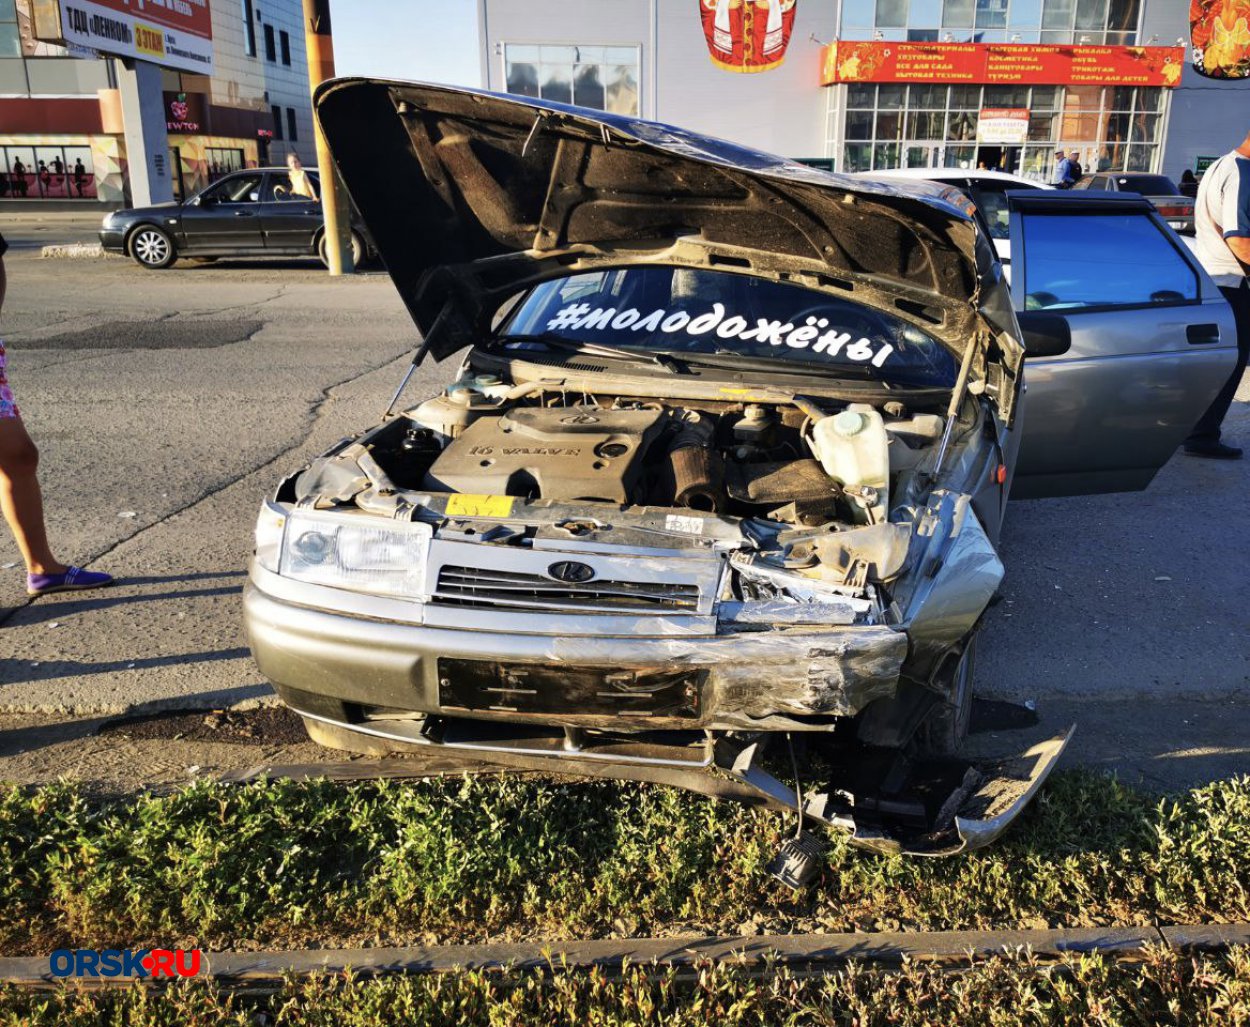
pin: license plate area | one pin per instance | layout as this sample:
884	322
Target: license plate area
536	688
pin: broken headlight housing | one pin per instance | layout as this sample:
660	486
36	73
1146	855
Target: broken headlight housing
360	553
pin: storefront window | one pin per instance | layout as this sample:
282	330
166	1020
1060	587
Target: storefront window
599	77
957	14
859	124
1112	128
46	172
857	157
991	14
860	96
891	13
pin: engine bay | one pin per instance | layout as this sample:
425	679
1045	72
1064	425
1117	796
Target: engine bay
802	463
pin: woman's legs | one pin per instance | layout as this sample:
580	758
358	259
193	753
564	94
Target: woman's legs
20	498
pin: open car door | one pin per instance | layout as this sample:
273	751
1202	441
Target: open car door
1153	340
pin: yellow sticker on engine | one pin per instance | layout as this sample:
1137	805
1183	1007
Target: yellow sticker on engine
465	505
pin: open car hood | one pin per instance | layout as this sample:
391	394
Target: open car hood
472	197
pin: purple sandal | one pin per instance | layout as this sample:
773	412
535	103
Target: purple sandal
74	579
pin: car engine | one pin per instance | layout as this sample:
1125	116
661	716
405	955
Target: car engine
803	463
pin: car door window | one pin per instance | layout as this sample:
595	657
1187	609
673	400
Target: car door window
1102	261
991	197
282	188
240	189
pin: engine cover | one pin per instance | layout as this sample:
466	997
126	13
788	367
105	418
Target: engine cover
561	453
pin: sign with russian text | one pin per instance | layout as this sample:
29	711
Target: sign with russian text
171	33
1001	64
184	113
1003	126
747	35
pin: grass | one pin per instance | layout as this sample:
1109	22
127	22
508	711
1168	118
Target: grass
1004	992
282	864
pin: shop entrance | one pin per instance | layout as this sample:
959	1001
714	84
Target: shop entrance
999	158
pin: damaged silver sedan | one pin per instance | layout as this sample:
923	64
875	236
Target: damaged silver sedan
724	465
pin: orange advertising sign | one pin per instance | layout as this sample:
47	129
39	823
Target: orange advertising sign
1001	64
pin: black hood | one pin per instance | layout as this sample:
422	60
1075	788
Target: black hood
473	196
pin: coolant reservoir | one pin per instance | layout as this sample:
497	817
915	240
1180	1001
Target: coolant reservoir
853	448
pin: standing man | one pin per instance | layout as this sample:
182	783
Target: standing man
1062	176
21	500
1074	166
1222	231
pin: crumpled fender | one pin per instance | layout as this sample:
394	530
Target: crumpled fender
955	573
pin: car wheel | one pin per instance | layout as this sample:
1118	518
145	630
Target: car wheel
152	248
358	250
946	727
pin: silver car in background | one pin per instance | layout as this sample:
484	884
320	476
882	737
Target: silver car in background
724	464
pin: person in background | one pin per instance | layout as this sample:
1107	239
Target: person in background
301	184
19	180
1188	184
1061	177
1074	166
80	176
1222	243
20	498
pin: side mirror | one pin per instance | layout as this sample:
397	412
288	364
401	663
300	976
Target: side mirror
1043	334
204	201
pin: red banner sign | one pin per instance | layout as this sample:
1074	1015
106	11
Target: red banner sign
1001	64
747	35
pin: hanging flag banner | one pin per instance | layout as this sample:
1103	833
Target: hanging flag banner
1003	126
1220	33
1002	64
747	35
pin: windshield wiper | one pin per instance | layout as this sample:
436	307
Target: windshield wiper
728	358
595	349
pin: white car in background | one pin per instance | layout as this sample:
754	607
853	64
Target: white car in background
987	189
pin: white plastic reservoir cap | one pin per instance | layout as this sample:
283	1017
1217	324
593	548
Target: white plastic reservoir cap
849	422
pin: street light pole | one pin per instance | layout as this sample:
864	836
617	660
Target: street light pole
319	44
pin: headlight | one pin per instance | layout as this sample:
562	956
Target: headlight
775	596
269	525
361	553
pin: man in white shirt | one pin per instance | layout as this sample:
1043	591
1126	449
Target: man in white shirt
1222	237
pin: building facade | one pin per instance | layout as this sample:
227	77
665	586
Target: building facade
61	134
651	57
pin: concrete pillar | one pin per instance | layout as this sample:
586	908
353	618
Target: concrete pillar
147	143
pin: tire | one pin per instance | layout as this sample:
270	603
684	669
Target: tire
945	729
358	250
151	248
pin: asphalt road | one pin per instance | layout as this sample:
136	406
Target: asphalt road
167	403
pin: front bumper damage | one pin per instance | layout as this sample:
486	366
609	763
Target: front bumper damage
370	684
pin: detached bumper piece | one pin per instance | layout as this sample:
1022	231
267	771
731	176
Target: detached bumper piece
884	800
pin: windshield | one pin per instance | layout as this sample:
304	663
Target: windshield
691	311
1148	185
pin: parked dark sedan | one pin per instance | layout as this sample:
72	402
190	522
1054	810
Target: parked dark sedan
1173	206
252	213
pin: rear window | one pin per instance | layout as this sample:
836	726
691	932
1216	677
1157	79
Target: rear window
1101	260
1147	185
690	310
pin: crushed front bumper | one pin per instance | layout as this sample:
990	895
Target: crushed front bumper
794	679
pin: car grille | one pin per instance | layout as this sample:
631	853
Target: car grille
475	586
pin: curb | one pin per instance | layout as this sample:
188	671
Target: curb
800	953
72	251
